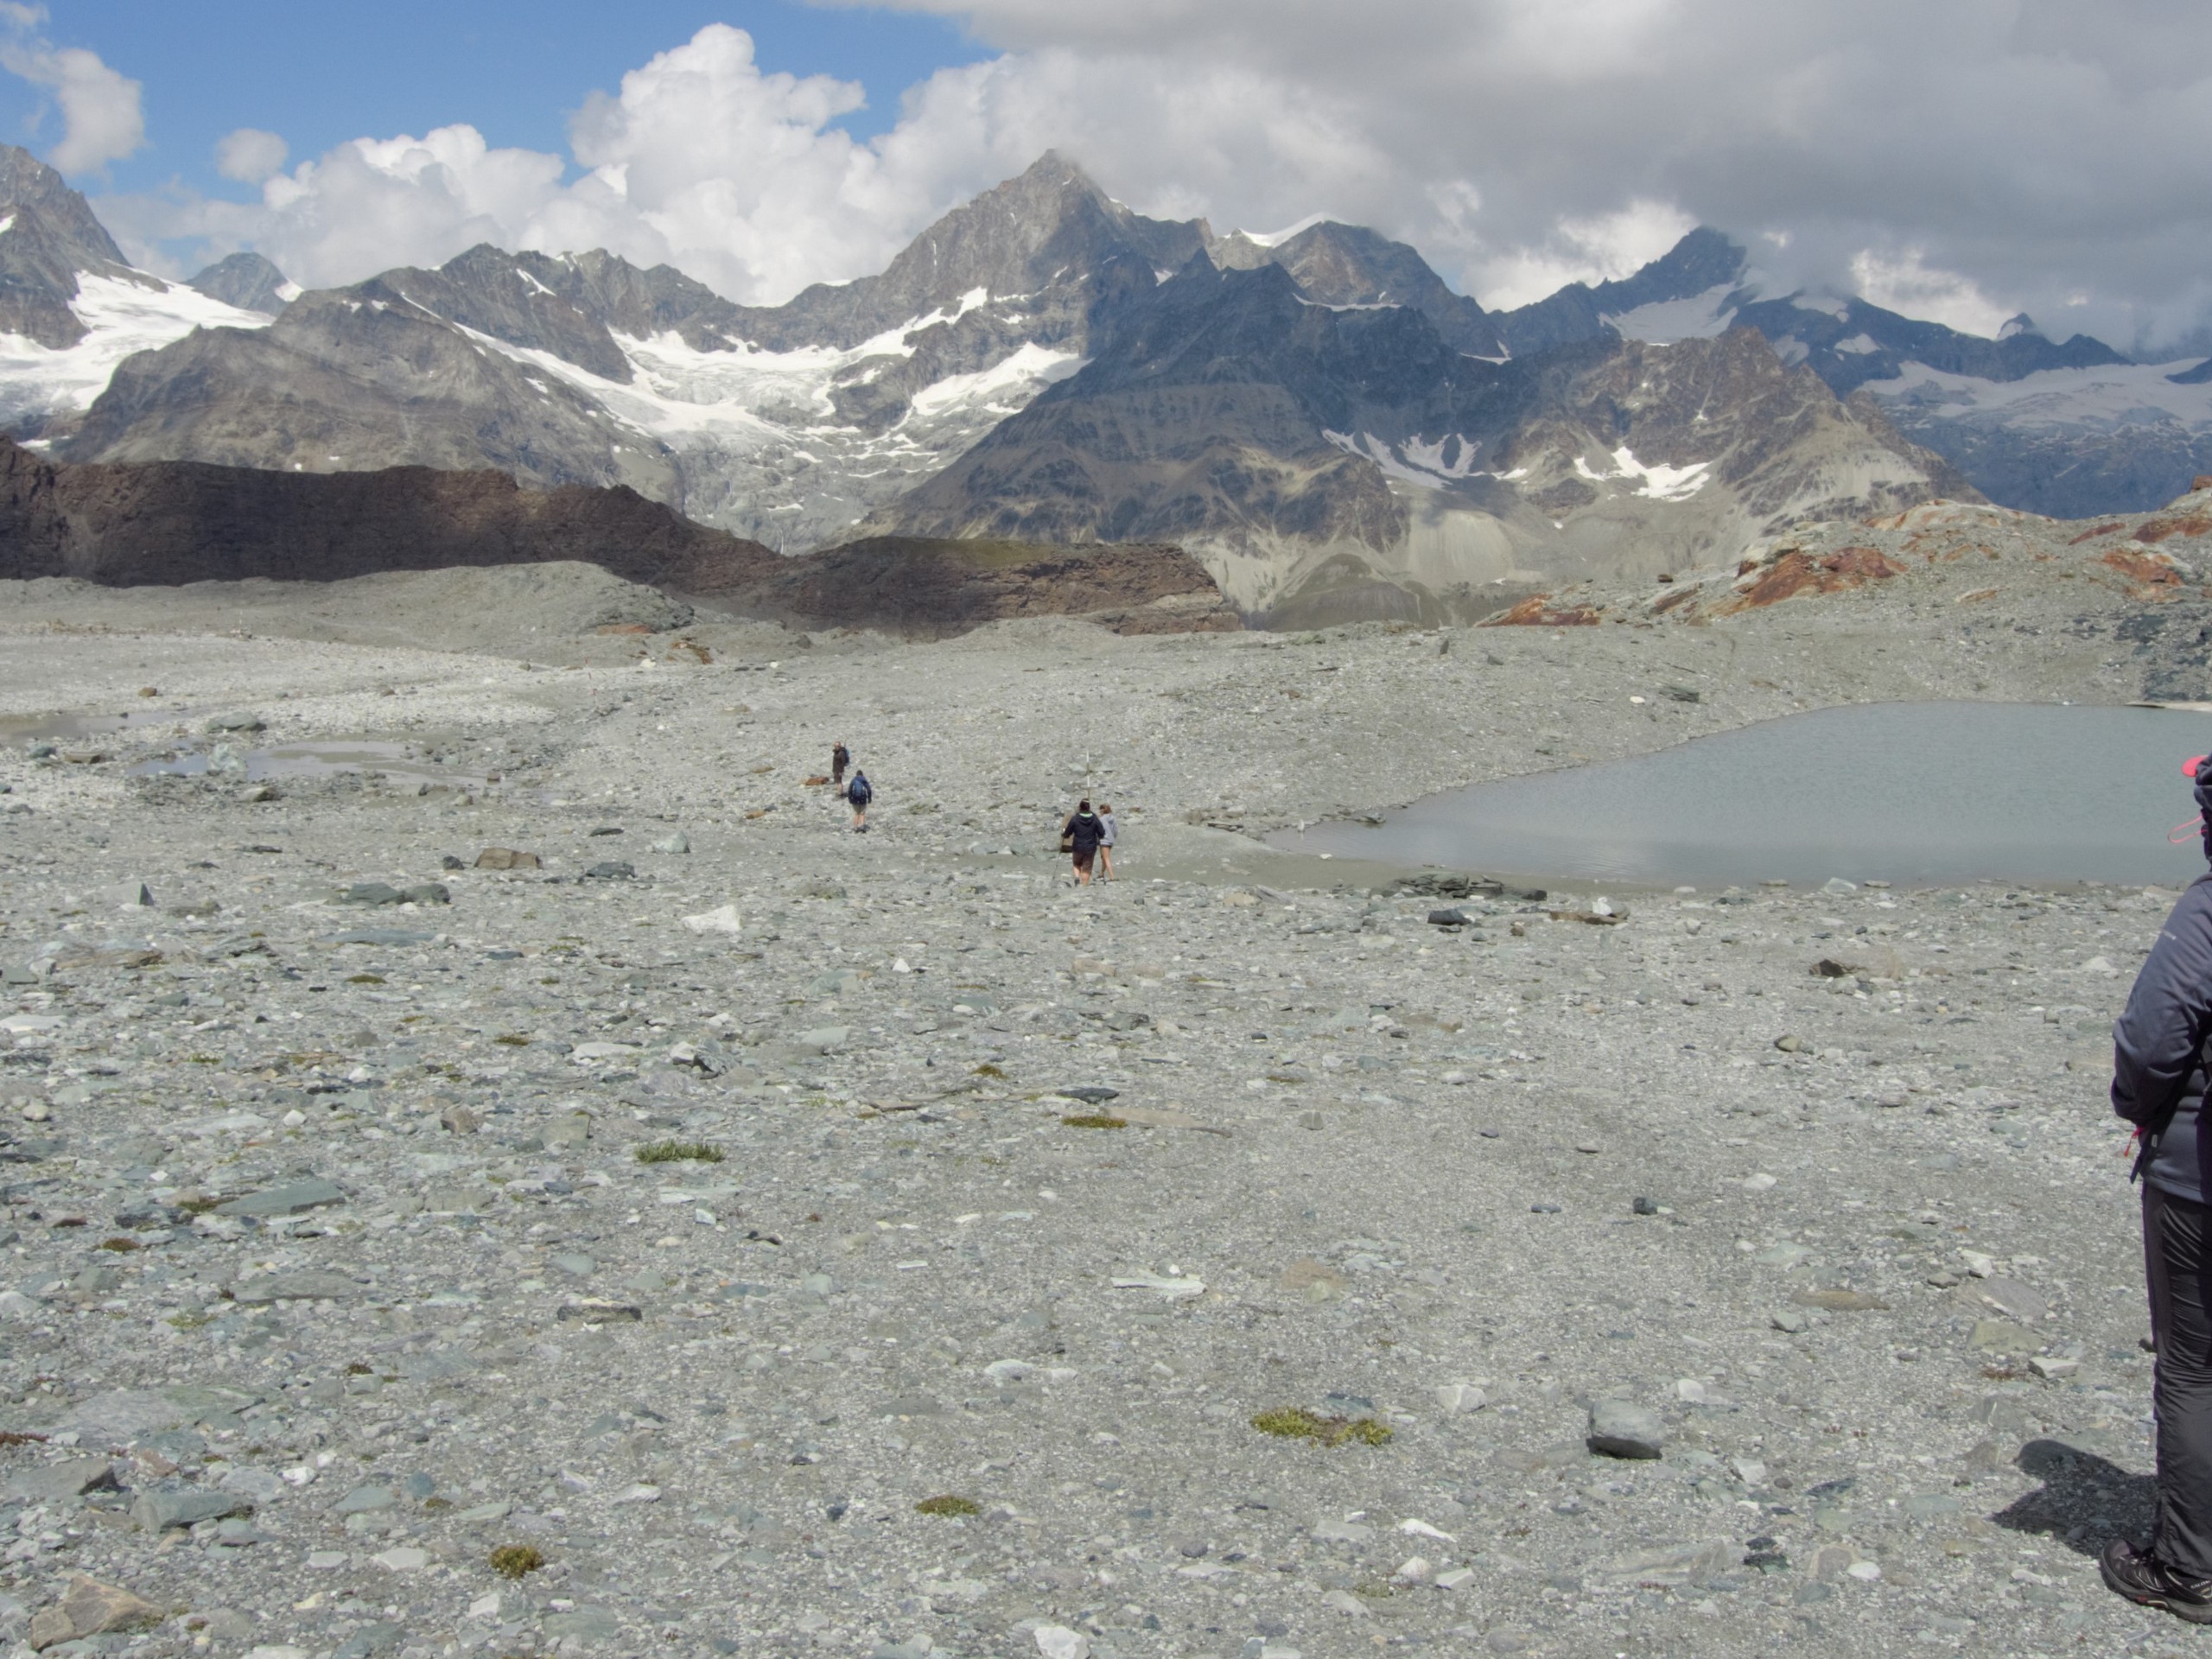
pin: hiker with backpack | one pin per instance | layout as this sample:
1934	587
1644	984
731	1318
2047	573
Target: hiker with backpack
1082	836
858	794
2160	1065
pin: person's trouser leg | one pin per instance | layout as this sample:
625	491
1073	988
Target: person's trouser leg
2181	1397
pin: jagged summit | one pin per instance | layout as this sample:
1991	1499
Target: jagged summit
49	238
1049	227
249	281
1349	264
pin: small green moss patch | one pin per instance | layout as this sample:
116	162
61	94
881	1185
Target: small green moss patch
987	1069
1296	1423
365	979
119	1244
679	1151
1095	1121
517	1560
511	1040
948	1503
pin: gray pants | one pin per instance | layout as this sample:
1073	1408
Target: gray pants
2174	1240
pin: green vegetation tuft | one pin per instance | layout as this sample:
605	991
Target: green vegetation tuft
365	979
512	1041
1095	1121
1296	1423
987	1069
948	1503
517	1560
679	1151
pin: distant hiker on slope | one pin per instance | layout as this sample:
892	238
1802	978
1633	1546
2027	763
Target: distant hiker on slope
1082	836
858	794
1106	841
2158	1084
840	757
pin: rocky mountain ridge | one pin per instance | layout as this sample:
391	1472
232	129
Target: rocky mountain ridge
1330	462
1400	434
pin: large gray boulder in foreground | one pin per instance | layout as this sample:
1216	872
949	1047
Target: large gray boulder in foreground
1621	1428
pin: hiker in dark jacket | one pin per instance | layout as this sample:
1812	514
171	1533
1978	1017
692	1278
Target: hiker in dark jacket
1083	834
858	794
840	757
2158	1084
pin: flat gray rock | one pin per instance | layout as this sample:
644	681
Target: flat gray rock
305	1285
286	1201
1621	1428
72	1477
162	1508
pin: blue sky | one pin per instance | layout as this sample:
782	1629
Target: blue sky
318	74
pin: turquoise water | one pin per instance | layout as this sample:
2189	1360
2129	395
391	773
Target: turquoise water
1907	792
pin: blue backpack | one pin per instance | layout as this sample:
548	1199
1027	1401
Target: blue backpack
859	792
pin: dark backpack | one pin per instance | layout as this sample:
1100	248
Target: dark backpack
859	792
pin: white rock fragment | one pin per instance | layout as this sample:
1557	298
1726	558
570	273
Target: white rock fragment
1162	1284
723	919
1058	1642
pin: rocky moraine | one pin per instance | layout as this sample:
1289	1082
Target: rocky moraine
566	1192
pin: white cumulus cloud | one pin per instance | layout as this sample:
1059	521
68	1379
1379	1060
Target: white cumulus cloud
250	155
102	119
1968	160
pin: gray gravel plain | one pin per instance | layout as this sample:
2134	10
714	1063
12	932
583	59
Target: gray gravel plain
331	1264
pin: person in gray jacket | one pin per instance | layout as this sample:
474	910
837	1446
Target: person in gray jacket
2158	1084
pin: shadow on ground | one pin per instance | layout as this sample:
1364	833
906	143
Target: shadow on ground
2084	1500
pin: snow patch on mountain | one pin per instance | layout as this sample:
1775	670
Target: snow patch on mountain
1827	304
123	314
1276	238
757	435
1430	466
1662	322
1660	483
2112	395
999	391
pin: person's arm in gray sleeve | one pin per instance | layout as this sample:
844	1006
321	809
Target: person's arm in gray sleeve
2159	1034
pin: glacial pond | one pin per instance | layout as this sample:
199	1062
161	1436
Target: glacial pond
1913	793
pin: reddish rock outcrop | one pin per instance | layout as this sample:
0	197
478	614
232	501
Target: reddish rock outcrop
1795	573
2155	531
2153	576
1537	611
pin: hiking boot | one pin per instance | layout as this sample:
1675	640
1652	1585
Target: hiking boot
2143	1577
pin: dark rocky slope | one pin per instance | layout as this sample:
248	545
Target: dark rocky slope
927	589
166	524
